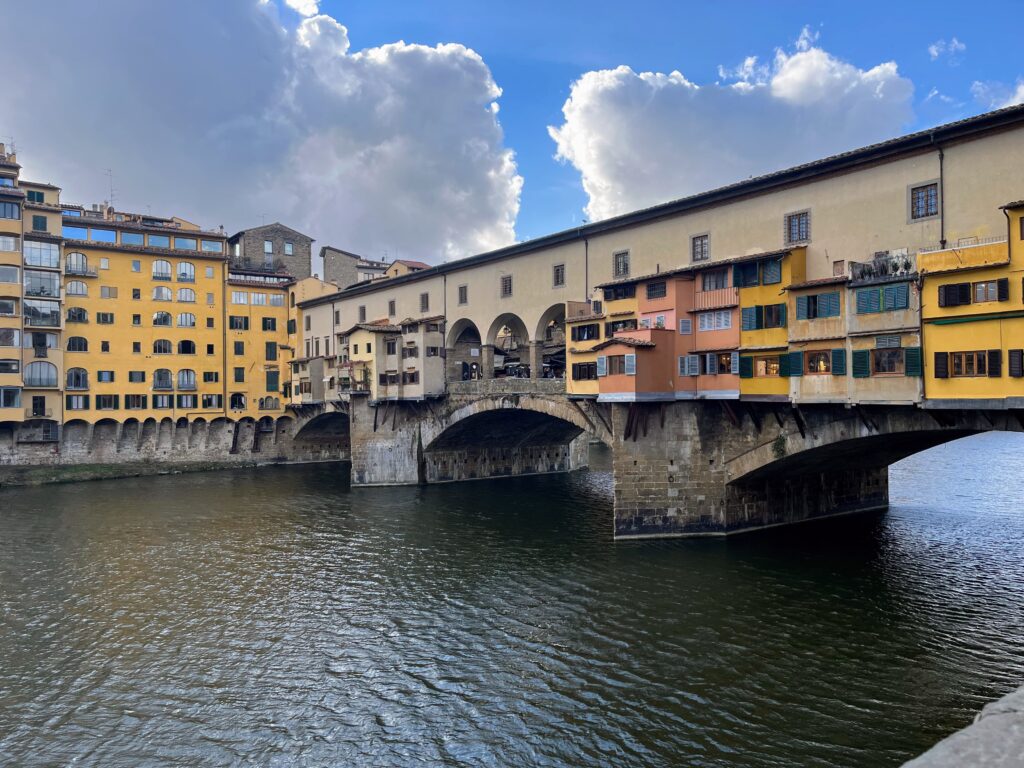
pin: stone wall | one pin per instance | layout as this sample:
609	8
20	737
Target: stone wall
298	265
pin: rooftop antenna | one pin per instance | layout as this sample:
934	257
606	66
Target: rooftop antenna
110	179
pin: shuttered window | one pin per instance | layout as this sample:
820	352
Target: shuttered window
887	342
912	361
630	366
942	365
602	365
771	272
817	305
995	363
746	367
954	294
838	362
686	326
692	365
734	363
748	319
861	363
796	363
1016	360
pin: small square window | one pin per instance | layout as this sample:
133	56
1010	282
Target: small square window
464	292
39	223
209	322
209	349
239	347
924	201
621	264
136	347
136	319
700	247
288	248
136	265
136	293
558	275
239	375
506	286
104	262
104	346
798	227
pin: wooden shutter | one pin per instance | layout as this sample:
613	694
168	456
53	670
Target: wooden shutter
1003	285
734	363
963	293
772	272
573	333
1016	359
602	365
748	319
758	317
943	296
746	367
831	305
784	365
631	365
711	364
861	363
995	363
782	315
796	363
838	362
942	365
693	365
862	301
686	326
801	307
681	365
912	361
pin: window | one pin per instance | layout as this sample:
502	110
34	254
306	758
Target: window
237	323
991	290
186	401
268	246
162	347
588	332
714	280
391	308
699	247
10	337
162	319
78	344
237	401
885	361
105	377
657	290
718	320
106	402
209	349
186	347
424	302
108	292
209	322
9	243
76	402
288	248
161	268
73	233
271	350
184	243
135	402
46	284
276	300
617	365
186	320
186	379
38	223
969	364
746	275
76	288
40	374
34	196
161	380
766	366
136	377
161	402
558	275
259	299
213	401
924	201
136	294
132	238
617	292
620	264
506	286
186	272
817	305
775	316
390	347
798	227
891	297
212	246
463	294
584	371
211	377
10	397
239	347
161	293
239	297
10	211
615	326
818	361
9	366
273	381
239	375
104	346
186	295
269	323
136	347
105	318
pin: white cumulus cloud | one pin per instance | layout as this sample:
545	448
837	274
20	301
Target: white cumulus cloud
236	112
951	50
639	138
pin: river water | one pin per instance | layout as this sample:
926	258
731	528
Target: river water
277	617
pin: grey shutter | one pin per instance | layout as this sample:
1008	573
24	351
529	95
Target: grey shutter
801	307
631	365
602	365
734	363
995	363
711	363
693	365
942	365
1016	359
686	326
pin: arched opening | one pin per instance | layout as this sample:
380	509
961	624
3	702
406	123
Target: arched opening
511	342
550	334
464	351
327	429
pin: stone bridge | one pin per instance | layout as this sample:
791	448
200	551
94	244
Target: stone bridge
680	468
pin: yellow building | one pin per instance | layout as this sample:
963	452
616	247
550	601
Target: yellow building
12	200
144	318
972	314
764	336
587	324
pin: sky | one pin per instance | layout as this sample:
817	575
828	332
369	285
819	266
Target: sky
435	130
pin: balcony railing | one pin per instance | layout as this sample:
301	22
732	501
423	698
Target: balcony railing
51	321
884	266
79	270
716	299
42	292
984	252
39	413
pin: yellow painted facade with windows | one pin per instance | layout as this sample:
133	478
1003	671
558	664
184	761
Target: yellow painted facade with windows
580	352
972	315
764	345
257	357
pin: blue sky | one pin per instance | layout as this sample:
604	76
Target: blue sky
372	125
536	49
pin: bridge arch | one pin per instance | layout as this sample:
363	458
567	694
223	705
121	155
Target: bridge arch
463	331
552	318
508	325
327	427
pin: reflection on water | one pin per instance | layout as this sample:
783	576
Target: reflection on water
279	617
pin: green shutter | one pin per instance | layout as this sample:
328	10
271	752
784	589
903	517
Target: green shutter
831	305
912	361
796	363
746	367
784	365
782	315
801	307
861	363
838	362
758	317
748	318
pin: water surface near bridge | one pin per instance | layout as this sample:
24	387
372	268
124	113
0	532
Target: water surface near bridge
277	617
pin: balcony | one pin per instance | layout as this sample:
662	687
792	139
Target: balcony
884	267
44	321
38	413
984	252
716	299
79	270
42	292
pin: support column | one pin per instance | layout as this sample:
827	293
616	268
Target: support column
536	359
452	366
486	361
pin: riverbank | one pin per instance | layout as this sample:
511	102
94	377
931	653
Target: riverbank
994	740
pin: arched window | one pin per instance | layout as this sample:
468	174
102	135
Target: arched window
237	401
186	273
162	318
161	293
186	320
77	315
186	347
78	344
186	294
76	264
40	374
162	347
76	288
161	270
162	379
262	404
78	378
186	379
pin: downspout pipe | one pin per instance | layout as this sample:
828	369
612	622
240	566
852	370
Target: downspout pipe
942	193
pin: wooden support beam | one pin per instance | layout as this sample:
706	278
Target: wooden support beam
752	413
730	413
779	419
800	424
